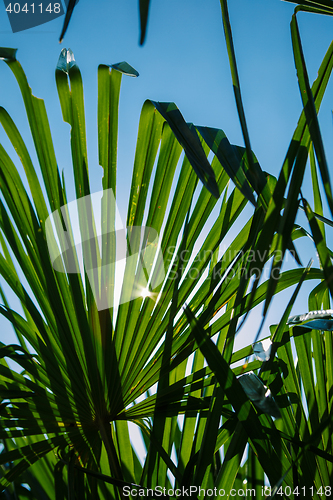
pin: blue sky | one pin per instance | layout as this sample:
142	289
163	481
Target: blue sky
183	60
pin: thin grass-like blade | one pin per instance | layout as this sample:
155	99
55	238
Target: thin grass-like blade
295	158
258	180
144	11
324	255
310	110
69	12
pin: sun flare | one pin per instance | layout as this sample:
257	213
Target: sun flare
145	293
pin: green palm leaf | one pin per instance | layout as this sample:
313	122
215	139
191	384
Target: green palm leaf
91	364
93	360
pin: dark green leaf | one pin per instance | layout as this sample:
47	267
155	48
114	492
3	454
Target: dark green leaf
189	140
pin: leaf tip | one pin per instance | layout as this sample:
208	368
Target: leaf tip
125	68
66	60
7	54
